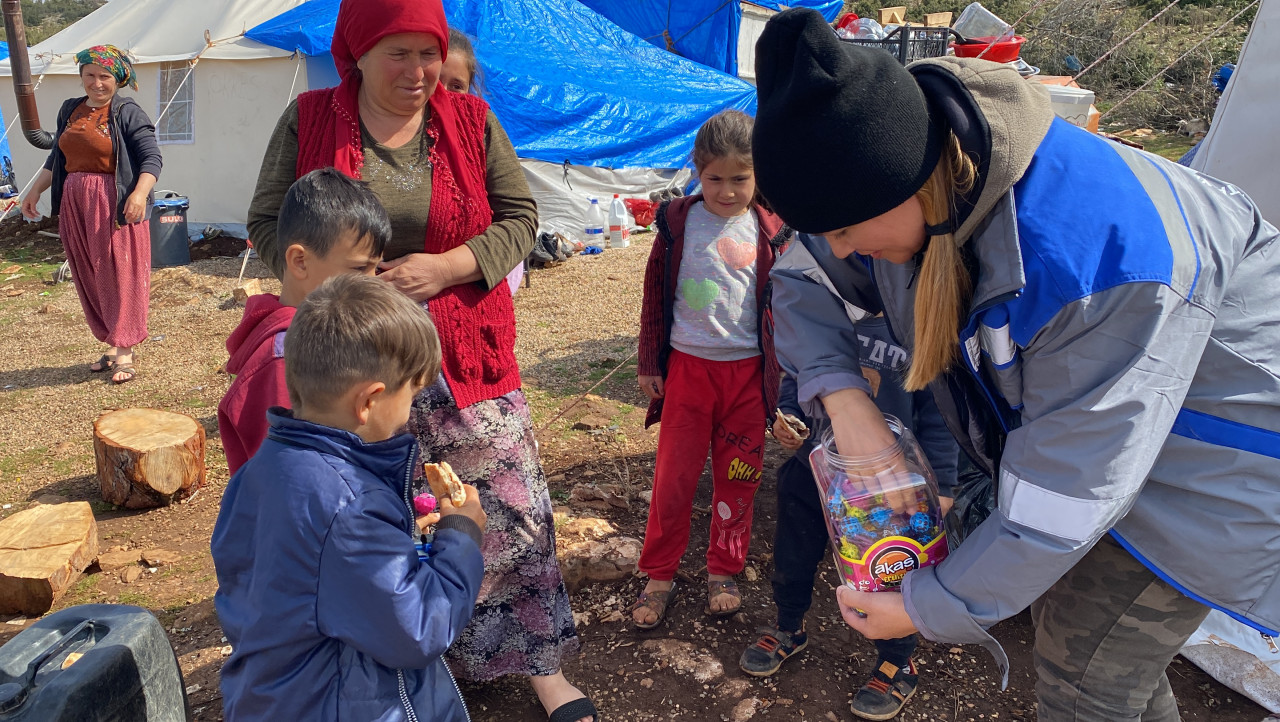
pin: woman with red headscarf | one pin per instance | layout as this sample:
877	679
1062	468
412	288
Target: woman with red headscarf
462	217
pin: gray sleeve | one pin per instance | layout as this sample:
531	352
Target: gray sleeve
278	172
814	338
506	242
1101	385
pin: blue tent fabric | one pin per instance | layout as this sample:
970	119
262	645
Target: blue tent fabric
568	85
307	28
830	9
705	31
4	51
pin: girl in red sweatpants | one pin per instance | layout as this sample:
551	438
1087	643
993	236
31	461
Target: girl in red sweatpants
707	365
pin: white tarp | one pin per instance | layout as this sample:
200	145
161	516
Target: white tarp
563	201
1242	146
1238	657
161	31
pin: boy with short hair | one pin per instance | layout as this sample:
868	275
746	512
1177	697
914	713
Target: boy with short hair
330	610
329	224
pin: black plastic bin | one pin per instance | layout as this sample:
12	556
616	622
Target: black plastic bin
169	244
92	663
909	43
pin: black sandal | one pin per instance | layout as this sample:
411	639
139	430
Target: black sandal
574	711
106	363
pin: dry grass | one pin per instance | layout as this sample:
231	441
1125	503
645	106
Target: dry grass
575	322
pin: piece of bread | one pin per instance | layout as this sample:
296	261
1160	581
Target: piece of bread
444	483
796	425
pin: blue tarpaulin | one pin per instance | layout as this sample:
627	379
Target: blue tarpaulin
4	51
705	31
307	28
566	83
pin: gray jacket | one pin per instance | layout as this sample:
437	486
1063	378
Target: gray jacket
1119	362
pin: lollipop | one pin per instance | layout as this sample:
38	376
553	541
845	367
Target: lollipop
424	504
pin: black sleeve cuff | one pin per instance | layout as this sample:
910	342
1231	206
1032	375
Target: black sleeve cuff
461	523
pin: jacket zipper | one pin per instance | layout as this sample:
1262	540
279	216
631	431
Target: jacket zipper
410	715
404	697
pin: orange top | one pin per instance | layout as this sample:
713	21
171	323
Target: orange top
86	141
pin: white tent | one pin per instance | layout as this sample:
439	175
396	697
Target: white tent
1242	146
224	107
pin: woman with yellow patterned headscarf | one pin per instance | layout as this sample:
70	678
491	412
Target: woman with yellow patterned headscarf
104	163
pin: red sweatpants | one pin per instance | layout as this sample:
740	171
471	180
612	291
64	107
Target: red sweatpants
716	404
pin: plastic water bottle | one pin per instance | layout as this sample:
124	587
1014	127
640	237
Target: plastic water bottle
595	225
619	233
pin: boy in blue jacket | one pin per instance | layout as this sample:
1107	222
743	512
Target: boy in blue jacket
331	612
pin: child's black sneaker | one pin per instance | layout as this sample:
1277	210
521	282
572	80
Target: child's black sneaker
772	649
887	693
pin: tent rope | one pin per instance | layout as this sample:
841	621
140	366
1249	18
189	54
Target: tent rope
294	84
1179	59
1129	37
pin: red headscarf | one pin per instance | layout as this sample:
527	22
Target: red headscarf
361	25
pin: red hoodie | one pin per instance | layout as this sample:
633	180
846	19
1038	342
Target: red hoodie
257	362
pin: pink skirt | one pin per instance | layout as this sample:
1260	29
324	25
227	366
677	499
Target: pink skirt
111	266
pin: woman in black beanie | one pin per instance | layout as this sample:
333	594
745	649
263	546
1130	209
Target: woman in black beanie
1094	321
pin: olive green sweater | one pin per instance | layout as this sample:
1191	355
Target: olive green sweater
402	179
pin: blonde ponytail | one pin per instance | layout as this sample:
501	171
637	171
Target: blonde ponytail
943	287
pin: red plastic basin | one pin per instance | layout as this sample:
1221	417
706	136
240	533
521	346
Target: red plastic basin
1005	51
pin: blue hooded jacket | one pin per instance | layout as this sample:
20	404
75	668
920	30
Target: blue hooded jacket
330	613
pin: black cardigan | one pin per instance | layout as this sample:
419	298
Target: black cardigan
134	139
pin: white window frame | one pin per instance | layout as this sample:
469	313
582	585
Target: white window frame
186	96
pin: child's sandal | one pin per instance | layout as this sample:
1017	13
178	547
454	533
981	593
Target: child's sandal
656	602
716	587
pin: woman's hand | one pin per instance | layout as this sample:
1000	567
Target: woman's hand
860	430
419	276
886	613
29	206
786	436
653	386
135	207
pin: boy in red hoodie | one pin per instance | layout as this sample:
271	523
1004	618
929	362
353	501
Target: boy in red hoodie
329	225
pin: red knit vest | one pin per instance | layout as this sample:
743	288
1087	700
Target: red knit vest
477	327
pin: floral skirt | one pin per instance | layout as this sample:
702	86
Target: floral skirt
522	623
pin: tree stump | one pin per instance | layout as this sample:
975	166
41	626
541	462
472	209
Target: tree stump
148	458
42	550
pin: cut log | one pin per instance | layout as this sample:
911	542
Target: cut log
148	458
42	550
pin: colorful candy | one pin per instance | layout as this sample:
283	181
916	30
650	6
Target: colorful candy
881	516
921	522
850	527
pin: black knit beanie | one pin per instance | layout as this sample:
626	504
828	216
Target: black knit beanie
842	133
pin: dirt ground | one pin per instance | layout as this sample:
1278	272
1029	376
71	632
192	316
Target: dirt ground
577	322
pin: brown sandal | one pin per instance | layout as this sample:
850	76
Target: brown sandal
656	602
130	374
716	587
106	363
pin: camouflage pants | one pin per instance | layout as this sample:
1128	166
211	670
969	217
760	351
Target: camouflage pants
1105	633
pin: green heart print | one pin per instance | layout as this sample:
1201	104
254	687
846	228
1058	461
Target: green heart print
699	294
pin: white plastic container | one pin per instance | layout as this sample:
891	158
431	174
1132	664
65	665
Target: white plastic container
594	225
1071	104
619	224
